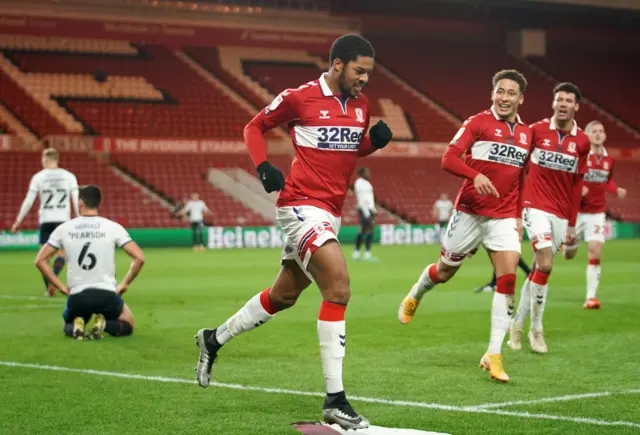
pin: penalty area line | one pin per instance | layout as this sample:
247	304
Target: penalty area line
400	403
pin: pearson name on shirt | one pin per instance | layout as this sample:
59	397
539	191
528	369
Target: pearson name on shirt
93	235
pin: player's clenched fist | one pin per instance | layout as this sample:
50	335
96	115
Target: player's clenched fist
484	186
380	135
270	177
621	192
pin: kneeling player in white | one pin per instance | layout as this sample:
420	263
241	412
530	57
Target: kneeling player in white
496	145
89	243
552	194
591	219
57	188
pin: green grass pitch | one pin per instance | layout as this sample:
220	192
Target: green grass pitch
431	362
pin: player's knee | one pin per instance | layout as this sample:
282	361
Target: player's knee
446	272
594	252
544	267
338	290
126	329
283	300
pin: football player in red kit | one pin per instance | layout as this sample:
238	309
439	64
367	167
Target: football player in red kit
495	144
598	181
552	194
328	120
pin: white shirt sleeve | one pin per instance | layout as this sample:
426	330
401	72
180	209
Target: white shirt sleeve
32	193
55	239
122	237
74	194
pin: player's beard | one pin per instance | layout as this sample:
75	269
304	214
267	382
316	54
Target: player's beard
345	89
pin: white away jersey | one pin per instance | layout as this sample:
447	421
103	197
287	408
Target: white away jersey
55	187
444	207
89	244
364	196
196	210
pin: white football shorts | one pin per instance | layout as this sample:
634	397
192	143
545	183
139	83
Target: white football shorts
545	230
305	228
466	232
590	227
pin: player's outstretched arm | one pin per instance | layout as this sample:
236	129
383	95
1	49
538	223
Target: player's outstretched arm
453	163
137	256
42	263
452	160
24	209
613	188
183	211
74	195
576	198
379	136
283	109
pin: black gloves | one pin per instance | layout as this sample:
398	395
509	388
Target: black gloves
380	135
270	177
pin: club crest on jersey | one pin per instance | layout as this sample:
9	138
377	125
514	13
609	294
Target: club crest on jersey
523	138
359	115
324	114
572	147
546	142
498	132
605	166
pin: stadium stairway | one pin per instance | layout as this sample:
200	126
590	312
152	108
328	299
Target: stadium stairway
244	188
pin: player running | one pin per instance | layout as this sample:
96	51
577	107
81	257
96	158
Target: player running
552	194
328	121
56	188
89	243
495	144
591	220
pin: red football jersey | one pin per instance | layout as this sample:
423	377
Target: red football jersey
599	181
557	162
498	150
328	133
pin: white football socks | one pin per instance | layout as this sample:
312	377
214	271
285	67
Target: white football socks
332	338
501	310
538	301
524	305
252	315
425	282
593	280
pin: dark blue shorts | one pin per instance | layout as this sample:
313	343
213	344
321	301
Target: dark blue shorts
366	222
93	301
46	229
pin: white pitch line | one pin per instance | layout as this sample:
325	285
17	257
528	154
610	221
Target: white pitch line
27	298
561	418
316	394
543	400
554	399
31	307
